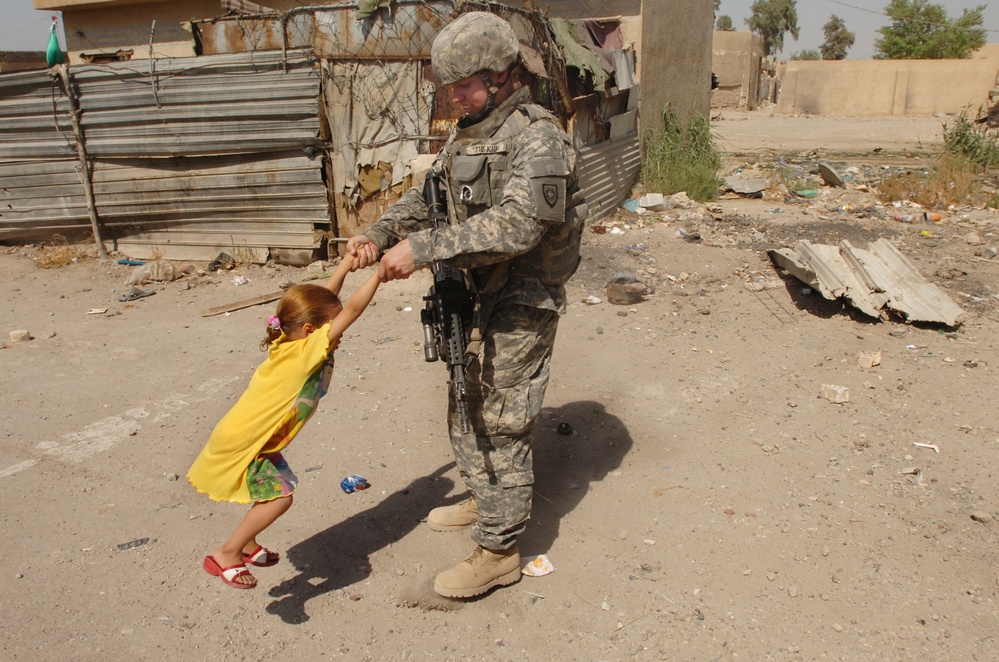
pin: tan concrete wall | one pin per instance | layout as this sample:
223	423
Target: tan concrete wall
873	88
737	60
987	52
105	26
22	61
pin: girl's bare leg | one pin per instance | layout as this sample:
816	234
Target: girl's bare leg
244	539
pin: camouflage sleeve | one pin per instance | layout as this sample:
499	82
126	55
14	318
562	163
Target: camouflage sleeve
407	215
533	198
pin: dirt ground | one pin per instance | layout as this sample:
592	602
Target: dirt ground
707	505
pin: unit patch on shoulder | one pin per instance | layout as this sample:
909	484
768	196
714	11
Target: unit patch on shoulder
550	194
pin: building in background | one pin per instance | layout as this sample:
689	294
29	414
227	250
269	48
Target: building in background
276	130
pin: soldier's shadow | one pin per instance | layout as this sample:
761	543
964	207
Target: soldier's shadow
339	556
567	461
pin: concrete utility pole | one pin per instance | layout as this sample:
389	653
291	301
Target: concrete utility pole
676	59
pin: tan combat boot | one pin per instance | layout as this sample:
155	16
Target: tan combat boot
480	572
454	518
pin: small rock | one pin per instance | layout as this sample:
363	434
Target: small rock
837	627
867	360
974	239
792	590
982	517
172	477
316	267
625	289
20	335
835	394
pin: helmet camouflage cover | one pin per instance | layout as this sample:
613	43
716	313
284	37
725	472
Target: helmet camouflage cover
476	41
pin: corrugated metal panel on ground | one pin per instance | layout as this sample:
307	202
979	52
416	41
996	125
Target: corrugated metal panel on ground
179	206
35	119
41	198
607	171
221	104
876	281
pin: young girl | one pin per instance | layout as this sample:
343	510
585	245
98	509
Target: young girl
242	461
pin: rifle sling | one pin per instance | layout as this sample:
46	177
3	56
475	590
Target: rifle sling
475	337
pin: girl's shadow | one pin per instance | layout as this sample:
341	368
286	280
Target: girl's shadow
339	556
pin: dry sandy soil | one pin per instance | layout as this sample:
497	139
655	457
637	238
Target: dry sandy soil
708	504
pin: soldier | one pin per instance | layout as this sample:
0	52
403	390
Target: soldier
516	223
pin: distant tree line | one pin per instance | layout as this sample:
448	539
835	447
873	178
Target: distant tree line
918	30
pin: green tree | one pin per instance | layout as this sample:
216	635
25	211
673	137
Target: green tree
838	39
922	30
806	54
771	19
724	23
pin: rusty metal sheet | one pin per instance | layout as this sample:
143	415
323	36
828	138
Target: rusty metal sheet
333	31
877	281
585	8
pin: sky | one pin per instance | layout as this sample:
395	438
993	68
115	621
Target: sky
25	28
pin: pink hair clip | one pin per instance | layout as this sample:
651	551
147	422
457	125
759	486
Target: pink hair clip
274	322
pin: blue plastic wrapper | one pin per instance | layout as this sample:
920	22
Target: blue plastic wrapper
354	483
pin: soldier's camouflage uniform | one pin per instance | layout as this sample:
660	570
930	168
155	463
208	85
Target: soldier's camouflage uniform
516	220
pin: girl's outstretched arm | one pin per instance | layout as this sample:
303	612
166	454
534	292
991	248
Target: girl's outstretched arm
335	281
353	307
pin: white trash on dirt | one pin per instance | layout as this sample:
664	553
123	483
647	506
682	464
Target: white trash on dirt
155	271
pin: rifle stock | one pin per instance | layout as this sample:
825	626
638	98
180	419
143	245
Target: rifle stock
447	312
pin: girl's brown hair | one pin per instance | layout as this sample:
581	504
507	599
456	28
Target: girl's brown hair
301	305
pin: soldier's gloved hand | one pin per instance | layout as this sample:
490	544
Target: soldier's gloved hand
364	250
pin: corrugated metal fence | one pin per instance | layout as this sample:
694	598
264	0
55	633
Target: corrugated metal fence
213	151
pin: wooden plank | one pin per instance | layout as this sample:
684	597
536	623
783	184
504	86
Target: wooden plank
245	303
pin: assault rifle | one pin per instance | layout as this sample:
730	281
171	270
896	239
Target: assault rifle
447	314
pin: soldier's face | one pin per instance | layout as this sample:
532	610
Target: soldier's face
469	95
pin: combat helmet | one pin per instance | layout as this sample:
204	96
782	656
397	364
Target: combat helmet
475	42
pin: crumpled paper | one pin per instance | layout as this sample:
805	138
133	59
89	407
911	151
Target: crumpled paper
537	566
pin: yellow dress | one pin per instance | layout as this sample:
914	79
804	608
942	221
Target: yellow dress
281	396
